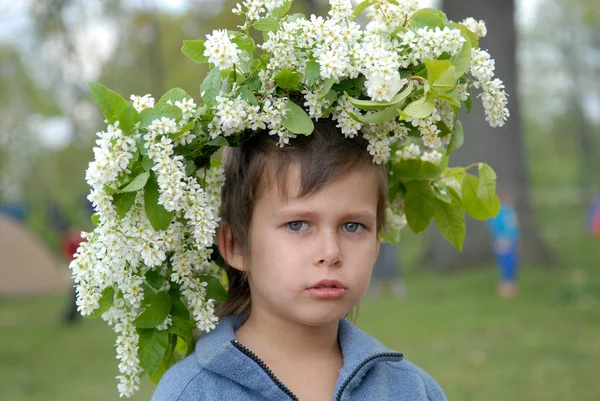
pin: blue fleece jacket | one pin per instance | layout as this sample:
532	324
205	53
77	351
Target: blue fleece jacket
223	369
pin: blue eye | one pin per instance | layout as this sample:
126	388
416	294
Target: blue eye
352	227
297	226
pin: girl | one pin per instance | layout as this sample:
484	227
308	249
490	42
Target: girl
300	233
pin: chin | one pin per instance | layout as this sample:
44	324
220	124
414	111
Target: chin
322	317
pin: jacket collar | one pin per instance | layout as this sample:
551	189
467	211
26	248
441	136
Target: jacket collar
217	353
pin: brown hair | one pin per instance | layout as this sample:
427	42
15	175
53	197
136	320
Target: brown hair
322	157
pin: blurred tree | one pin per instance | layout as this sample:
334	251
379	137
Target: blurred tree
502	148
562	48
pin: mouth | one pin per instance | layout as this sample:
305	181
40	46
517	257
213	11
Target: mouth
323	284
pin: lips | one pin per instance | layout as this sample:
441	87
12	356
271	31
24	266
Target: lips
326	290
328	284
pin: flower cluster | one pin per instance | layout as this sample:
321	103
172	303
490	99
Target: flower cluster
148	268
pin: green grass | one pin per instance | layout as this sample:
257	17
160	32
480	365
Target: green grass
542	346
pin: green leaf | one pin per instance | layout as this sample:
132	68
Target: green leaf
462	60
279	12
244	42
420	108
216	163
287	79
174	95
380	116
330	97
427	18
155	279
451	97
468	34
152	349
218	141
436	68
113	106
297	120
457	139
147	116
442	194
137	183
188	127
372	105
182	328
312	72
444	130
419	205
266	24
96	219
211	87
247	95
450	221
106	301
159	217
254	83
469	102
147	163
156	312
456	199
475	206
194	50
360	8
178	308
327	85
446	82
487	183
190	167
214	289
123	202
417	169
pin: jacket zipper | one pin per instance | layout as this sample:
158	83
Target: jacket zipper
264	367
287	391
359	367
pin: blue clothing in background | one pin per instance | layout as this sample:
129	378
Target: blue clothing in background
223	369
506	225
505	234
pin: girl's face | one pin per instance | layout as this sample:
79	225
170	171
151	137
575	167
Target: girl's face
327	240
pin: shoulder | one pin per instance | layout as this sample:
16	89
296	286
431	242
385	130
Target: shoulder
419	378
181	379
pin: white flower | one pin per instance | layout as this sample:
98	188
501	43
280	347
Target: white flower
477	27
342	114
163	126
482	66
494	103
187	106
384	87
340	9
433	156
220	50
142	102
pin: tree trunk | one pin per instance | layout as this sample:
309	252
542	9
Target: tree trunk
502	148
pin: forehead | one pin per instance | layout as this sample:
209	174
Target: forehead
356	188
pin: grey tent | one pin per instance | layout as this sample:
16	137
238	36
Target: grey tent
27	266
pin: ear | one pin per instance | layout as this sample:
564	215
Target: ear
229	247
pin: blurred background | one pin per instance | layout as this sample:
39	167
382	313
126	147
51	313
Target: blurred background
442	309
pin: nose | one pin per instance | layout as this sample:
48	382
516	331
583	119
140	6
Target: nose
329	253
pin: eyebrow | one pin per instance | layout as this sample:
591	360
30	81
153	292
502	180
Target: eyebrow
307	214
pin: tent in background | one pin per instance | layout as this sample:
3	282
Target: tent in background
27	266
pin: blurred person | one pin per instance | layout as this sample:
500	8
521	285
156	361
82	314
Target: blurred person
70	240
504	229
387	269
594	217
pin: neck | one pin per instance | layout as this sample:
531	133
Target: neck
271	337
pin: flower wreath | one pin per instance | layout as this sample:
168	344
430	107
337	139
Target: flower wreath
147	268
